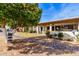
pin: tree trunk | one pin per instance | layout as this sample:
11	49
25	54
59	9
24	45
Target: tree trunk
3	39
4	29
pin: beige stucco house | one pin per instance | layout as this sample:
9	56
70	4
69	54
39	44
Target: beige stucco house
59	25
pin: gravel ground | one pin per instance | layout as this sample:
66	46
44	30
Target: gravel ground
38	46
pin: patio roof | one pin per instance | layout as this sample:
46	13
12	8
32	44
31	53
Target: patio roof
70	20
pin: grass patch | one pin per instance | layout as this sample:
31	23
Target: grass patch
25	34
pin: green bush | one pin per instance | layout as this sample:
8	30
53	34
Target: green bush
69	40
60	35
77	36
32	31
55	34
48	34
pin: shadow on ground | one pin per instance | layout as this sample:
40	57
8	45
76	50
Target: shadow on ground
38	45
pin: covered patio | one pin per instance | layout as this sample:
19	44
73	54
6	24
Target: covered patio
60	25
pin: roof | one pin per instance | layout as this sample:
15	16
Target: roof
61	21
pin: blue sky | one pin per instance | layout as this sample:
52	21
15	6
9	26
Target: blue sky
57	11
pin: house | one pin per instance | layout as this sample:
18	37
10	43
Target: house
59	25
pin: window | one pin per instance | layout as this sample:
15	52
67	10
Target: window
70	26
52	28
48	28
57	28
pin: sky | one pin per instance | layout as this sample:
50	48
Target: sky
58	11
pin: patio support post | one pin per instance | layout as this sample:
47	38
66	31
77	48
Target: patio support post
43	30
50	28
29	29
54	27
40	31
33	28
37	29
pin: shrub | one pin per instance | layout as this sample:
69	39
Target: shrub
50	36
60	35
47	33
77	36
69	40
55	35
32	31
